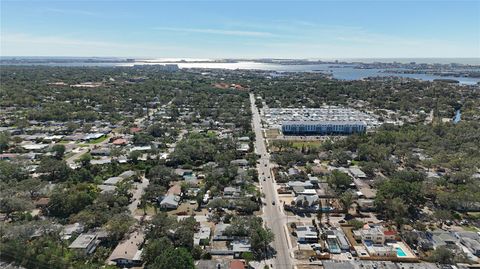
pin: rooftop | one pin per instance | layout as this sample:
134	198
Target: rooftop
83	241
128	248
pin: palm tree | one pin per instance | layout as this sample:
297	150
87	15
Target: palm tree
328	211
320	213
346	199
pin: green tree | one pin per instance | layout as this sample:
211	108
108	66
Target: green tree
4	141
53	169
170	258
260	238
65	201
118	225
134	155
85	159
160	175
339	180
9	205
346	199
12	172
442	255
58	151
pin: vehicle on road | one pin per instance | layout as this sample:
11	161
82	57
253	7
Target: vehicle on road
273	202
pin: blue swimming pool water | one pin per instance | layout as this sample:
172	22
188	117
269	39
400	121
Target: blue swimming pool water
401	253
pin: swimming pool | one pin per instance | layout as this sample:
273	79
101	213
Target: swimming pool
400	252
333	246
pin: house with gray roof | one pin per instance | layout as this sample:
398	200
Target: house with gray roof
170	201
85	243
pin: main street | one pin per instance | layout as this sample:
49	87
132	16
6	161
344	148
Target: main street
273	215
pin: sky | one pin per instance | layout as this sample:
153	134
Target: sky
241	29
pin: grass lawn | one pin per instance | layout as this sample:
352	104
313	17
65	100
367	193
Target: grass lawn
150	210
83	145
68	155
98	140
272	133
211	133
300	144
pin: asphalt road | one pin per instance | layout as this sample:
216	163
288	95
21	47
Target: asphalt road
136	195
273	215
72	159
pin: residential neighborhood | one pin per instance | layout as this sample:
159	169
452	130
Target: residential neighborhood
107	170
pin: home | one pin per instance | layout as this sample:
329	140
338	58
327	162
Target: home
306	200
231	191
239	162
170	201
127	174
141	148
373	233
100	152
71	229
183	172
92	136
34	147
301	191
237	264
293	171
293	184
107	188
313	180
381	250
443	238
472	245
42	202
8	156
243	147
390	235
120	142
218	234
471	240
202	237
337	240
128	253
85	243
424	240
176	189
366	204
190	179
211	264
100	161
112	181
239	247
307	234
357	173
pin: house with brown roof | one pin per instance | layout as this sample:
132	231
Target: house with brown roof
237	264
128	253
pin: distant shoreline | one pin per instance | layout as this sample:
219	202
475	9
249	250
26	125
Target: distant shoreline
59	59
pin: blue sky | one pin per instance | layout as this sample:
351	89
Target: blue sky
241	29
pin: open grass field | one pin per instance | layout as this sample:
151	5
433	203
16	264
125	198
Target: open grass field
300	144
272	133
